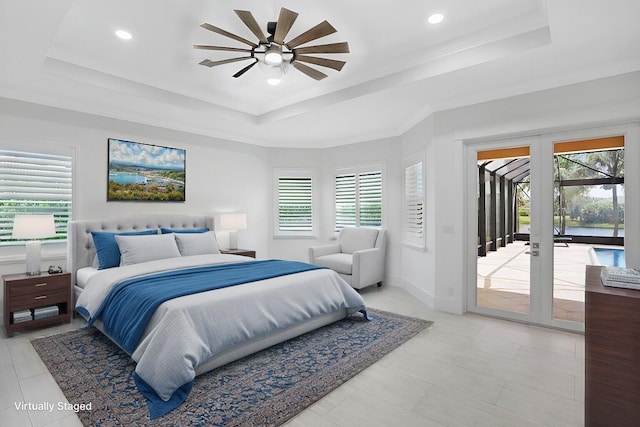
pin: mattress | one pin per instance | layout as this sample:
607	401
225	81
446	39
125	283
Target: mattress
83	275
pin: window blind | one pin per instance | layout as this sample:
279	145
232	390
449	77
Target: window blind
414	203
370	199
358	199
295	204
34	183
345	201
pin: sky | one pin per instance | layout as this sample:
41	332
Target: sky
600	193
145	154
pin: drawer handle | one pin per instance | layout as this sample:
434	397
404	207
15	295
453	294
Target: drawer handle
40	284
41	297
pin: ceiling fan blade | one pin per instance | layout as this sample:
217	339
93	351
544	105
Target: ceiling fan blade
285	22
311	72
209	63
245	69
248	19
230	49
323	62
325	48
320	30
227	34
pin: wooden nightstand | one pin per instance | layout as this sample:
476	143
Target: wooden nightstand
34	294
243	252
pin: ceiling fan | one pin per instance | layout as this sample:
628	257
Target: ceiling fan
276	54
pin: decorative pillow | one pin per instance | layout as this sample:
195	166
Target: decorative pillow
107	248
197	243
137	249
183	230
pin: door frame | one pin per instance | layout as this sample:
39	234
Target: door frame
541	268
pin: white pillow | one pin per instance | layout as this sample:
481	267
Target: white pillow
137	249
197	243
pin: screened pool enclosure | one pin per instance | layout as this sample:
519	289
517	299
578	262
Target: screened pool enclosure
588	195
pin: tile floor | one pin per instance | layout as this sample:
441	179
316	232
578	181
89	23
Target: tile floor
463	371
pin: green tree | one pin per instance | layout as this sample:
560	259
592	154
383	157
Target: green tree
566	168
611	164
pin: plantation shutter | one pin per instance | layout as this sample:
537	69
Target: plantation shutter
34	183
295	209
345	201
370	199
358	195
414	203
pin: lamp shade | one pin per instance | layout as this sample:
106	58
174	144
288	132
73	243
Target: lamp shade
232	221
33	227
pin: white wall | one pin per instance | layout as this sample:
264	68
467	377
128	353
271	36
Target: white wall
324	162
221	175
417	265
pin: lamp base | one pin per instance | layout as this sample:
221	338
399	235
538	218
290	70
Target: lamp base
33	248
233	239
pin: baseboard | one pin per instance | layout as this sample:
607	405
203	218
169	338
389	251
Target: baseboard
448	305
417	292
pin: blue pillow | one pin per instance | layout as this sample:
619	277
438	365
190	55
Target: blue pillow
183	230
107	248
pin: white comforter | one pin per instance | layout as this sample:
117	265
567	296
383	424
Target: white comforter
187	331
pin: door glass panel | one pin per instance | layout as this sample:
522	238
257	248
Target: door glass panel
588	219
503	262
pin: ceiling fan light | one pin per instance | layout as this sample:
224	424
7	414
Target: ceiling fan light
273	55
436	18
124	35
274	75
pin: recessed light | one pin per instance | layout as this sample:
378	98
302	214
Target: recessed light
436	18
124	35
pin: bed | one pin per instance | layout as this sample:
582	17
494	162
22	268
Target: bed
180	308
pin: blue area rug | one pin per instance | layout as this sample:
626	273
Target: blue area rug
264	389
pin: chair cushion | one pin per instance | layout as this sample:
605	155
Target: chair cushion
356	239
340	263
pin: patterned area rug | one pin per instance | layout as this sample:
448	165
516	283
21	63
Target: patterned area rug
264	389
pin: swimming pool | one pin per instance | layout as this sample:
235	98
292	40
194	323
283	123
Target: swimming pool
610	257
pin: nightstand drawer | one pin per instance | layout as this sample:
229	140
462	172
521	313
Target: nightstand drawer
21	302
38	286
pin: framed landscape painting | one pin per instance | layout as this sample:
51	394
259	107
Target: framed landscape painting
144	172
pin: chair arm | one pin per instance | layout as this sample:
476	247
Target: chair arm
322	250
368	267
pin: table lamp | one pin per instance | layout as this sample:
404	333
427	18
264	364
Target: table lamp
31	228
232	222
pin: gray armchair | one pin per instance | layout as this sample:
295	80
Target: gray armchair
358	257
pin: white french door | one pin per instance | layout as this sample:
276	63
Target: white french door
510	237
518	264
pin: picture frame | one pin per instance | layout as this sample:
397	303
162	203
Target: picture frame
145	172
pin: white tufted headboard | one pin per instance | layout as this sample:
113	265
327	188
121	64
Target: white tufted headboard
80	249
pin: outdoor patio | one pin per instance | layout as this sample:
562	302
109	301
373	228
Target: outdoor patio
503	279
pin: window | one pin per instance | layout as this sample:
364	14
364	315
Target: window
358	193
414	202
34	183
294	205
